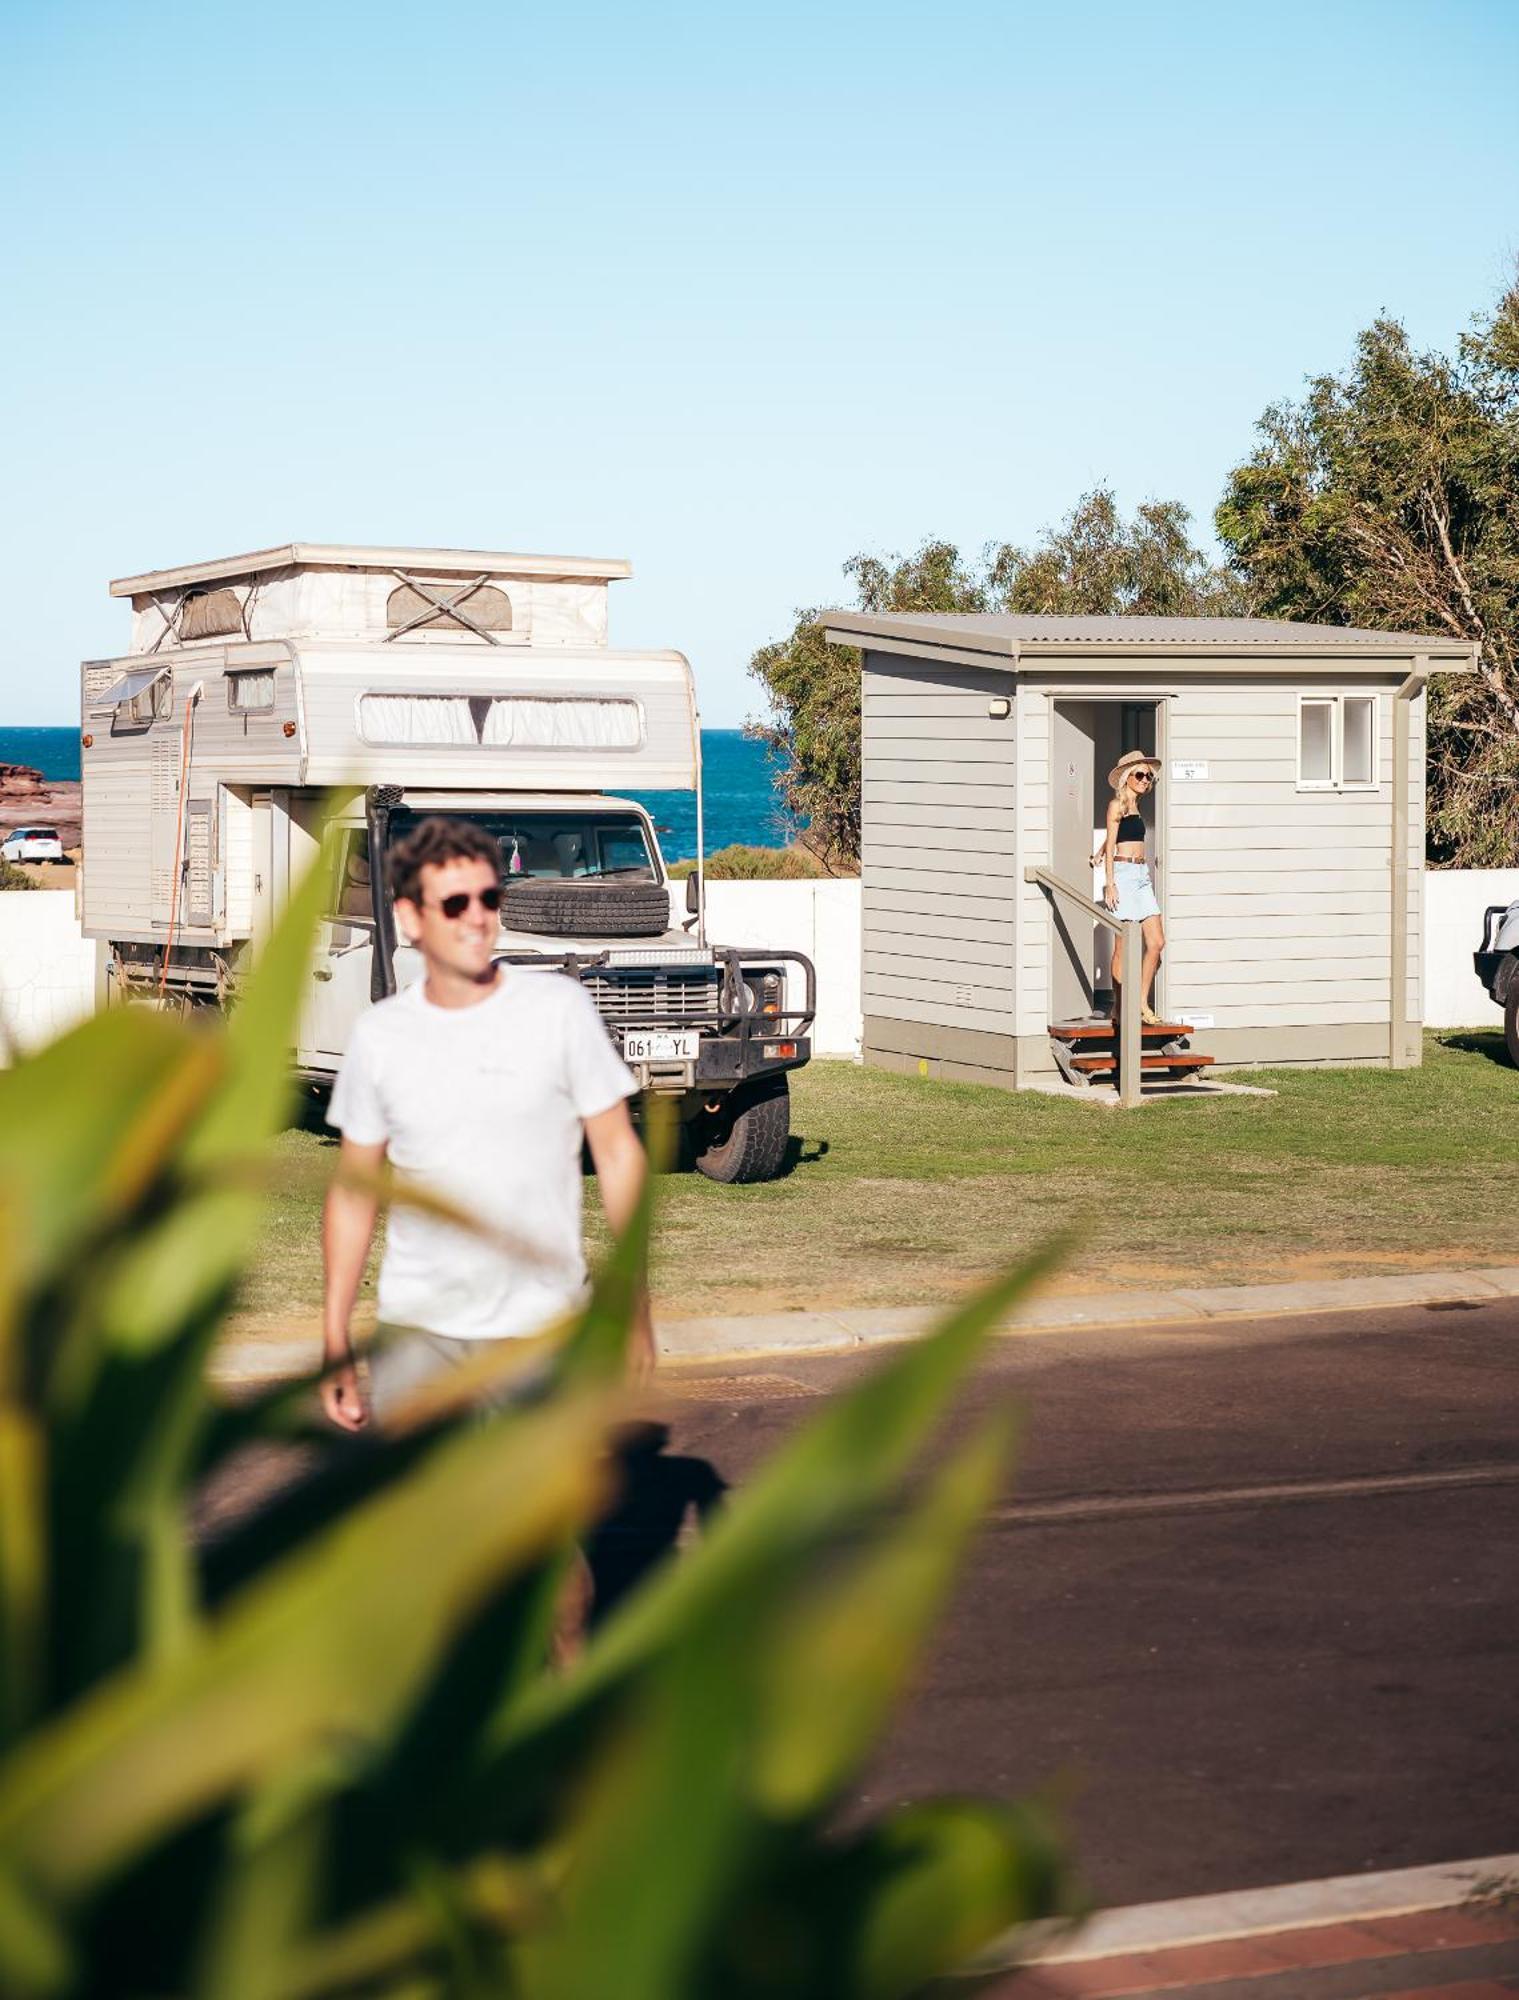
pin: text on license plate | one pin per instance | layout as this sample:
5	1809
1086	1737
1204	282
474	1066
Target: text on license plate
645	1046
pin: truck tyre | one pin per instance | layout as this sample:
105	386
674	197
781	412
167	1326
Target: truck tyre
557	908
746	1140
1511	1021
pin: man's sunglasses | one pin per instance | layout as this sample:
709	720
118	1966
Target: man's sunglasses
456	904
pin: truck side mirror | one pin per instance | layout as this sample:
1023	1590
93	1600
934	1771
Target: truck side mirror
693	893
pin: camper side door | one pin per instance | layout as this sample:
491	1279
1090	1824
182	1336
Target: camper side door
343	966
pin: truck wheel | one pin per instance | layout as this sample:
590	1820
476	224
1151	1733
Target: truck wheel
1511	1021
549	906
746	1140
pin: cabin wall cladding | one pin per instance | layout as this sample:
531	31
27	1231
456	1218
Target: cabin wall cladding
938	811
1277	900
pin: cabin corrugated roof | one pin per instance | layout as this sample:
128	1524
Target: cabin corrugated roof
1012	633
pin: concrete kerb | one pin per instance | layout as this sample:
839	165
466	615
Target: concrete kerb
1246	1913
755	1335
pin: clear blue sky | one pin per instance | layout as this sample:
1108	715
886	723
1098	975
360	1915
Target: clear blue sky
731	293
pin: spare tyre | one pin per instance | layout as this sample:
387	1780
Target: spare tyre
555	907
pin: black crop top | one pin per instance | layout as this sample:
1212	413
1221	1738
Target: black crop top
1131	827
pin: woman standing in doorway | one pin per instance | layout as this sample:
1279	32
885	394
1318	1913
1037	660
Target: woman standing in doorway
1128	890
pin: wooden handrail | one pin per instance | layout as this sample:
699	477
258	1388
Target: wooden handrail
1129	929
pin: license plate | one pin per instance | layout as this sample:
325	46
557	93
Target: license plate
645	1046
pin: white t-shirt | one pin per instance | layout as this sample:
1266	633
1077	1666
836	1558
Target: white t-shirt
483	1105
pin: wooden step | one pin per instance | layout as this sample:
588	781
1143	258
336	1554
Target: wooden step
1105	1031
1108	1065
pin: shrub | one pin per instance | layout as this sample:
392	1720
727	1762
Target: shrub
756	864
327	1759
12	877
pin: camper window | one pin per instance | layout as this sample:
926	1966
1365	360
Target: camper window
416	718
247	692
139	698
531	722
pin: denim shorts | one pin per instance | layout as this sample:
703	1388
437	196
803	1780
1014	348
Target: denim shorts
1136	894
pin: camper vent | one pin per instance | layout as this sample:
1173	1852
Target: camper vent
502	722
457	608
209	614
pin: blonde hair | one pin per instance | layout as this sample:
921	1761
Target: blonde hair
1125	793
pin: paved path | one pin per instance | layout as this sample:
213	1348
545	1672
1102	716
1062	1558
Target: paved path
1252	1600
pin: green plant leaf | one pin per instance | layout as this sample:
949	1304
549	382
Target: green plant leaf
89	1122
925	1893
842	1658
845	1461
335	1639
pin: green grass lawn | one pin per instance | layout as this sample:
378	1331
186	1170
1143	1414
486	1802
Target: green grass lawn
907	1190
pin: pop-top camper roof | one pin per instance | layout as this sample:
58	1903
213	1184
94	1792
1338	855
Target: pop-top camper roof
408	665
348	555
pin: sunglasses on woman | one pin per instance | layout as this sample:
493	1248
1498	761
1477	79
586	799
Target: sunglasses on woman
456	904
1144	777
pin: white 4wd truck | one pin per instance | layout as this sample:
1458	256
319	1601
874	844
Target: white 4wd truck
1497	963
309	704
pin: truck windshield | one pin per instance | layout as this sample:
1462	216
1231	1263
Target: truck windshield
567	845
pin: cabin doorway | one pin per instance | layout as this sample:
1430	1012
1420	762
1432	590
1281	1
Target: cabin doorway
1087	739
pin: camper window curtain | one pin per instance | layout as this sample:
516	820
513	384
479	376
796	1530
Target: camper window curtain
520	722
416	718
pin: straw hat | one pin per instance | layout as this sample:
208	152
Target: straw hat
1131	761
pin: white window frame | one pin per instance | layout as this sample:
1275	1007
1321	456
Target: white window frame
238	679
1335	702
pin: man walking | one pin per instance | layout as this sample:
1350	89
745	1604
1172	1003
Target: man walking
479	1084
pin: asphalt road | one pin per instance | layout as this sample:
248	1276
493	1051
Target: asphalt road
1251	1605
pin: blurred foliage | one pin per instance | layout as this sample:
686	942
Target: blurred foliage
1094	563
756	864
319	1753
12	877
1389	497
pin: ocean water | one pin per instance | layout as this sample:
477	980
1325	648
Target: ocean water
742	803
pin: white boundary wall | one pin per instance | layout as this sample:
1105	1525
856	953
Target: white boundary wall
47	968
1454	899
48	971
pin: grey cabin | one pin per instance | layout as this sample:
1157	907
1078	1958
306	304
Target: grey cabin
1286	834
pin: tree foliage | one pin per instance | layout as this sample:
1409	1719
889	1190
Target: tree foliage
1389	497
1095	562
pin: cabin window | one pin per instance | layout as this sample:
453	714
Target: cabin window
247	693
1337	743
417	719
523	722
210	614
1359	716
483	609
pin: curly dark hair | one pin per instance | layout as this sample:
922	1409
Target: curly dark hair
432	841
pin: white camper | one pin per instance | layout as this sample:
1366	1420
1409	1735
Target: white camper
382	685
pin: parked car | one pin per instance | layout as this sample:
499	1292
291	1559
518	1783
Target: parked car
32	843
1497	964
